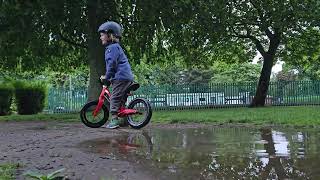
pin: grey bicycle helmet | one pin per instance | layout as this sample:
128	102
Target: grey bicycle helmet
111	27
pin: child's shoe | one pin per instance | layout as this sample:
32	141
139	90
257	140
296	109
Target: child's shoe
114	123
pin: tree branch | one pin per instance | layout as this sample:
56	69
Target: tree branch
252	38
258	45
63	38
255	41
263	26
258	9
274	42
269	33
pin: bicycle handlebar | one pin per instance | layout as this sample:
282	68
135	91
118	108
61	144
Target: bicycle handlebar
103	82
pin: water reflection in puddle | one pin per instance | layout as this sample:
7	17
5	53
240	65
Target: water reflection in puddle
217	153
124	145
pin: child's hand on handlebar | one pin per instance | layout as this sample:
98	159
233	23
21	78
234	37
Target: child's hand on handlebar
102	77
104	80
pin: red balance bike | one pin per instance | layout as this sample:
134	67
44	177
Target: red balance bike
138	113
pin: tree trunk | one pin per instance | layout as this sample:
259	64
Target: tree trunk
264	80
95	51
274	161
263	85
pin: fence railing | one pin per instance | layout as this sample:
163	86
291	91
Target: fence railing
286	93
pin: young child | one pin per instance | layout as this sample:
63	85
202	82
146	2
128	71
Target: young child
118	70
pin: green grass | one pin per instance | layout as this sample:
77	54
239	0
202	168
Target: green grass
42	117
302	116
297	116
7	171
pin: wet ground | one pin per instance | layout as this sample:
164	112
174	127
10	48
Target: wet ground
162	152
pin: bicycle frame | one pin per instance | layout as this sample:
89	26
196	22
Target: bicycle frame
105	94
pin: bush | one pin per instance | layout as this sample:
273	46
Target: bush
6	94
30	96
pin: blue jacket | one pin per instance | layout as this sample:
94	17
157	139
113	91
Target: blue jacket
117	64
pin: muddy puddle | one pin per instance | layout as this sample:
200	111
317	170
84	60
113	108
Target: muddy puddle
216	153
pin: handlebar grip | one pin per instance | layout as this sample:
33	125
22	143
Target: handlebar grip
104	82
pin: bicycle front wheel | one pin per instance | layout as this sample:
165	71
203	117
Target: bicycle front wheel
143	115
86	115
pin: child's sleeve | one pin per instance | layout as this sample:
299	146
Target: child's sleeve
111	58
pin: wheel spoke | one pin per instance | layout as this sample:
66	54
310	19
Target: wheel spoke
142	111
88	118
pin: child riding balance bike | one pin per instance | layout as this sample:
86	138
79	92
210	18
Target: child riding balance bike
119	75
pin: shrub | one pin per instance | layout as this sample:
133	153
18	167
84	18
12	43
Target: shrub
30	96
6	94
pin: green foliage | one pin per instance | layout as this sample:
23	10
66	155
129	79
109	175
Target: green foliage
286	75
30	96
7	171
303	54
263	26
52	176
171	74
235	73
62	35
28	37
6	95
75	78
57	34
177	73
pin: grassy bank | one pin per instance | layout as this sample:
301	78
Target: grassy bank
301	116
42	117
7	171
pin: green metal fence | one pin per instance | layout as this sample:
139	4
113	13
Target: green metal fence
65	100
200	96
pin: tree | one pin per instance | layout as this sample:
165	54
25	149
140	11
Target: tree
36	34
268	25
264	26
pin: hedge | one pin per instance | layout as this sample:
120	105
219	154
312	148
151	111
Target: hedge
6	95
30	97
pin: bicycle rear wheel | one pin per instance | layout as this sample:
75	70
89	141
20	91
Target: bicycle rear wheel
86	115
143	115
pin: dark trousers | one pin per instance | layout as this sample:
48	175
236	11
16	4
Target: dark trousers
118	96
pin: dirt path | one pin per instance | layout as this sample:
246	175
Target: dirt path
48	146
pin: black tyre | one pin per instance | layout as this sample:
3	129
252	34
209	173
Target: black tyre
86	115
144	114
